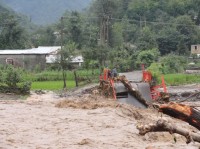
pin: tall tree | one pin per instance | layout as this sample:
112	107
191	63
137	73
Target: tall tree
146	39
116	39
147	57
66	56
168	39
45	36
74	28
12	35
189	32
197	19
89	34
71	26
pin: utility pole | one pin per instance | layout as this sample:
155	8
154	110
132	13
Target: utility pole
107	30
102	31
62	28
145	23
61	55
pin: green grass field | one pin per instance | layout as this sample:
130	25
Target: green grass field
180	79
51	85
170	79
52	80
57	75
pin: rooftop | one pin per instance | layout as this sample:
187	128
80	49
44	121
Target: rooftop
39	50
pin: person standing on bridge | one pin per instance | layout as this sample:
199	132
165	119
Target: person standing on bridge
114	72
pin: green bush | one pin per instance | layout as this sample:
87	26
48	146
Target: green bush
12	80
147	57
156	70
12	77
173	63
25	87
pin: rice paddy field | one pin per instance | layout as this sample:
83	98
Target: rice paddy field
52	80
181	79
51	85
57	75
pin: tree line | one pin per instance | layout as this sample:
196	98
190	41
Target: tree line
122	33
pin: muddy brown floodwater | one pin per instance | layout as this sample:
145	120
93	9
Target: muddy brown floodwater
48	121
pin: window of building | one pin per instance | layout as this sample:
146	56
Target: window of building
195	47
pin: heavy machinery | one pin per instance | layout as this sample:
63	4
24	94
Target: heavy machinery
137	88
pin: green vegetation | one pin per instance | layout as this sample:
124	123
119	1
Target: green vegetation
13	35
53	80
174	75
135	27
180	79
11	80
137	31
170	79
169	64
114	33
51	85
147	57
57	75
19	81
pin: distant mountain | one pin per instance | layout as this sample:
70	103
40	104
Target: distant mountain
44	12
5	9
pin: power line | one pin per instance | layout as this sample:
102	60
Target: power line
153	22
139	21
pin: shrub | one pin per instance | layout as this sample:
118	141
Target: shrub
12	80
173	63
25	87
12	77
148	56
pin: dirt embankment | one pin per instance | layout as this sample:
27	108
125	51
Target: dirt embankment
46	121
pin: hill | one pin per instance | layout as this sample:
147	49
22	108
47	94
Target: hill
45	11
22	19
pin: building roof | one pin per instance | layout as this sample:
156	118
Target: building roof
39	50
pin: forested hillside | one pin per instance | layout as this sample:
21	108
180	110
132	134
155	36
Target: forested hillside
170	25
45	11
139	31
126	33
14	29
